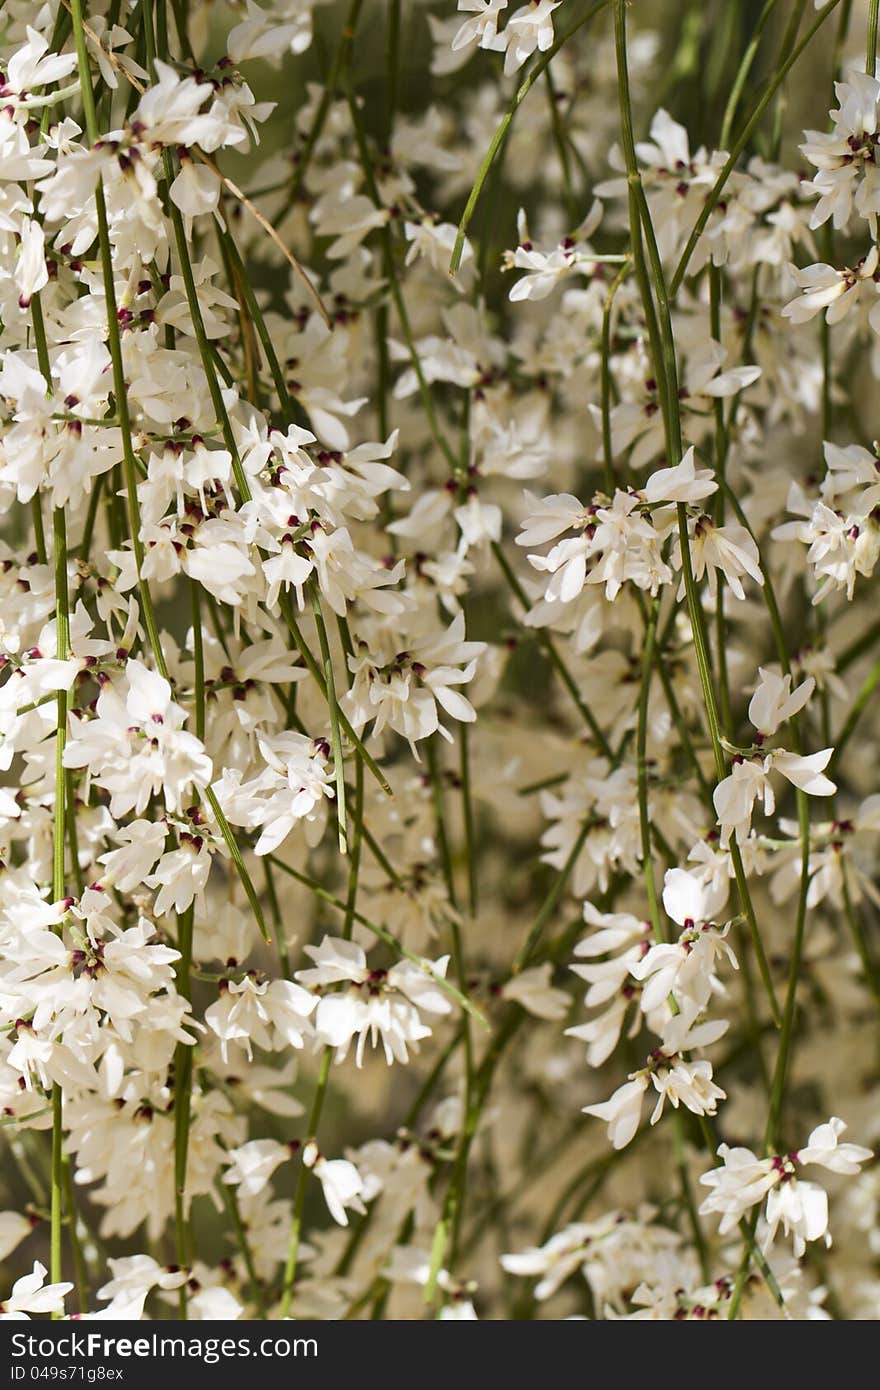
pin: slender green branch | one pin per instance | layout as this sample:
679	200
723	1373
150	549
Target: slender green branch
541	65
240	866
318	676
648	658
230	1201
856	710
302	1184
551	901
547	642
341	61
667	374
606	380
742	74
467	803
335	734
62	783
182	1104
740	144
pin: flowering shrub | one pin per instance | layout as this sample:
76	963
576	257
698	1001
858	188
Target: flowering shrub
439	823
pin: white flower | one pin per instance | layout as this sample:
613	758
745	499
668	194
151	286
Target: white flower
31	1295
403	686
434	241
545	271
748	782
141	844
686	1083
802	1210
735	1187
251	1165
529	27
834	291
261	35
378	1004
135	745
622	1112
135	1275
735	795
196	190
214	1305
547	268
806	772
848	176
683	483
13	1229
33	66
685	969
690	898
271	1014
774	702
533	990
729	549
340	1182
823	1148
31	274
483	28
800	1207
181	876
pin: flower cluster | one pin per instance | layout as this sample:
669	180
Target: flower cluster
439	510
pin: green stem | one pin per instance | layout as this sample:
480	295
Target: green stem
208	361
199	658
318	676
498	138
182	1103
62	652
120	389
354	865
81	1275
667	377
277	919
341	62
648	658
240	866
468	816
872	979
455	931
777	1088
857	709
550	903
687	1196
436	775
393	279
289	406
57	1208
392	66
788	41
335	734
230	1201
302	1184
606	380
718	187
721	448
560	141
743	71
546	641
39	530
